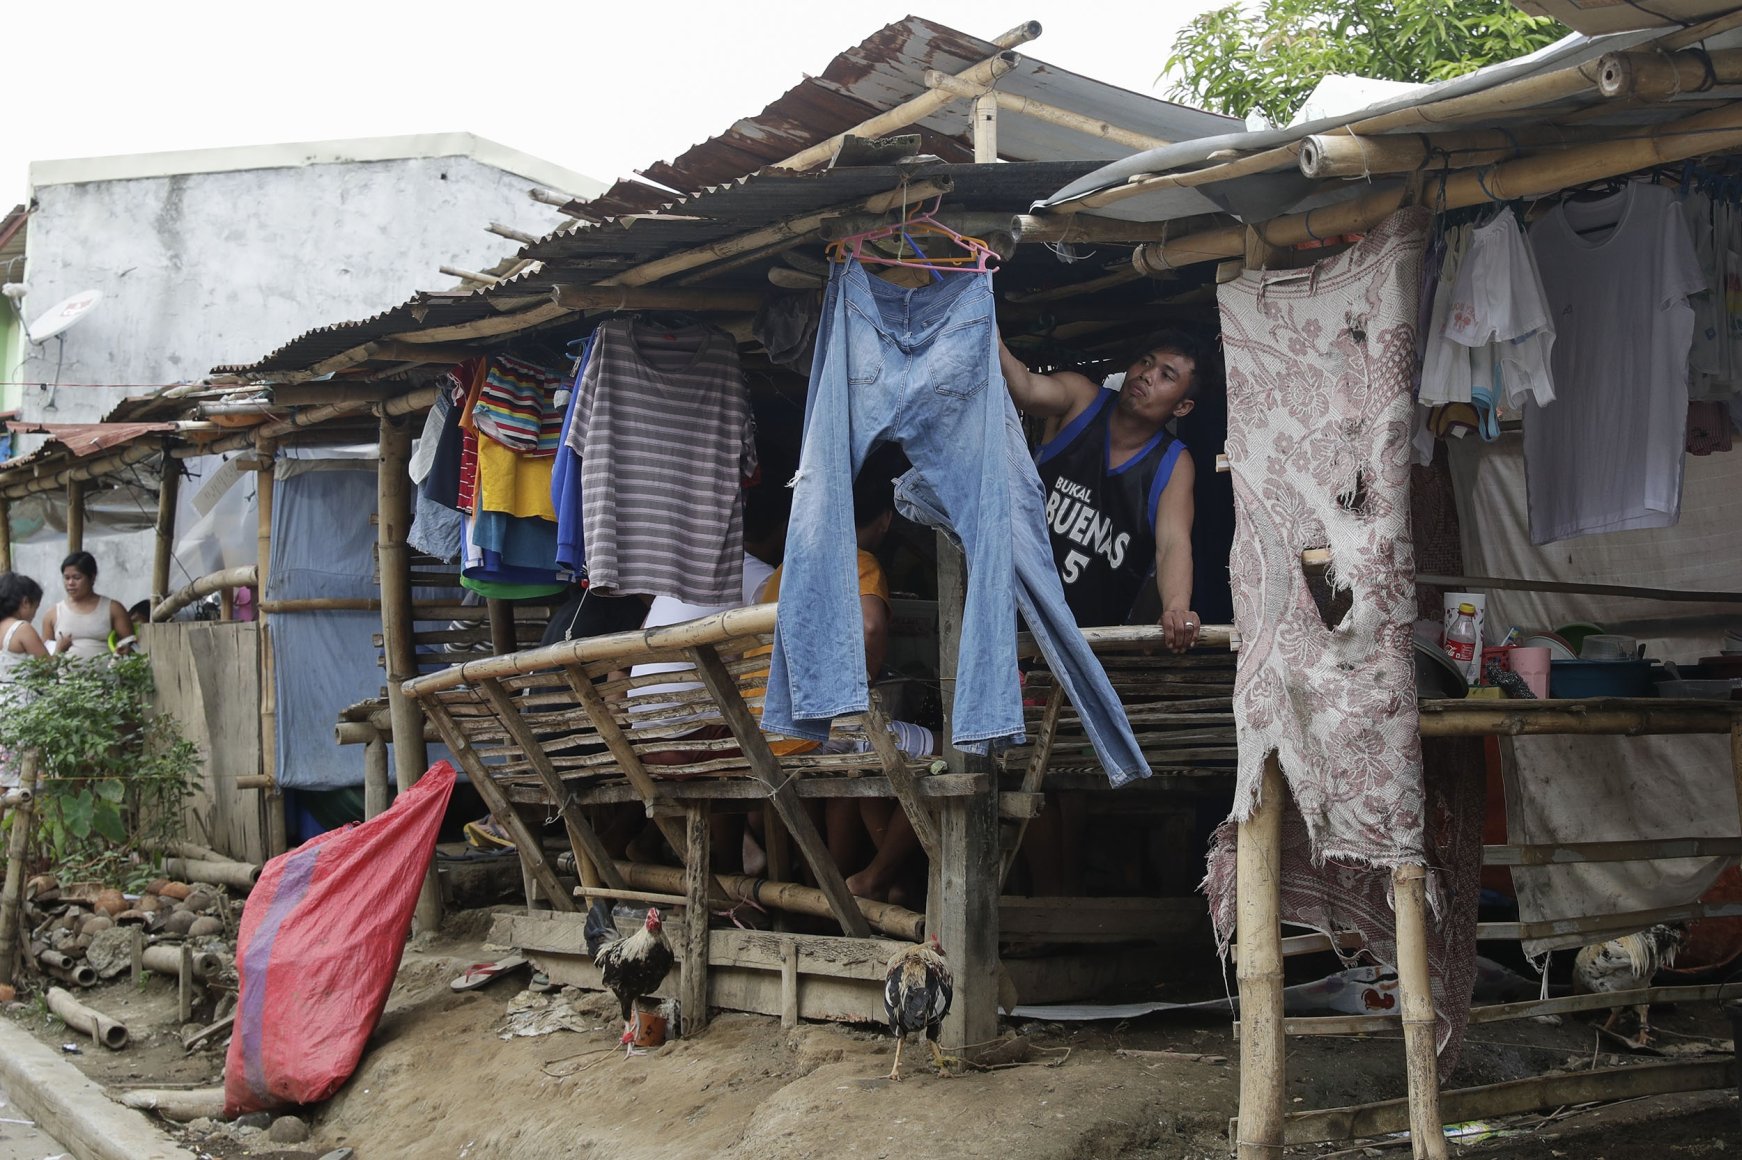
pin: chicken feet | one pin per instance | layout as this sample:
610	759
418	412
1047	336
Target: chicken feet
944	1062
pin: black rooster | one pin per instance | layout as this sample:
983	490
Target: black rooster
632	967
916	995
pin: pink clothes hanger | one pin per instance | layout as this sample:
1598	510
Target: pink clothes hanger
979	258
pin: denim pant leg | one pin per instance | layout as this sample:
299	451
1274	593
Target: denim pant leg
817	670
953	430
1040	596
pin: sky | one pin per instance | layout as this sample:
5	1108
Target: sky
599	90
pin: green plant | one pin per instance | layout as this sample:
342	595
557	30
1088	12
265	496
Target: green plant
112	772
1267	58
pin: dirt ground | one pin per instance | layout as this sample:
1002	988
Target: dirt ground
439	1080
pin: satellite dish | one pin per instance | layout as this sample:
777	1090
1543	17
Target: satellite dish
62	315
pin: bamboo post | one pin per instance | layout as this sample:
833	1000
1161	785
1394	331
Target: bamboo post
1427	1138
984	97
374	776
963	906
410	754
75	516
184	984
5	535
697	878
277	838
1258	910
1660	76
12	893
168	490
789	986
986	129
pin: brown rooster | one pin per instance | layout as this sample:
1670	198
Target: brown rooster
916	995
632	967
1628	963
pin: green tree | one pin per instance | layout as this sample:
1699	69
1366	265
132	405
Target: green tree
112	772
1241	58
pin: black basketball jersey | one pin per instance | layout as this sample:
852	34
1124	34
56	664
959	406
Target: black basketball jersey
1101	520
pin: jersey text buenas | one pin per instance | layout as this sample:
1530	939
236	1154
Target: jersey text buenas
1069	513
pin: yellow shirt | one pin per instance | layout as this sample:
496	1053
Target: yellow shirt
514	483
872	582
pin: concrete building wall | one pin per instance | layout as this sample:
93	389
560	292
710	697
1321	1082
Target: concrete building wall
200	269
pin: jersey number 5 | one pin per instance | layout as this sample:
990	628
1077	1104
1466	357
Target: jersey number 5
1074	566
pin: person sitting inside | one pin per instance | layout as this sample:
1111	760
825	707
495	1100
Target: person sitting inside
86	624
852	823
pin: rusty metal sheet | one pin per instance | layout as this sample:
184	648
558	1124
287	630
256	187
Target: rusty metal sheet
84	439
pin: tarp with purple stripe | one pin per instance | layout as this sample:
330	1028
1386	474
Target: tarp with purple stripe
320	942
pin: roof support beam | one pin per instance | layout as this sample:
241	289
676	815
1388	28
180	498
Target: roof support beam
901	116
1041	111
1671	141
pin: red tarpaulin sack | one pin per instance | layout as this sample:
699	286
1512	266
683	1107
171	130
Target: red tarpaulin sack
320	942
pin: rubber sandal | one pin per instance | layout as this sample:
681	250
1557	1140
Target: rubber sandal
479	974
541	983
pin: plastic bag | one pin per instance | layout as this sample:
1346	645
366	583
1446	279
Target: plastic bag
320	942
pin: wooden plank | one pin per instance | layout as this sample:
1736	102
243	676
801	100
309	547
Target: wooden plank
901	777
583	839
1033	777
526	843
1315	1025
696	883
1099	919
789	988
1514	1096
963	907
764	765
1544	854
937	785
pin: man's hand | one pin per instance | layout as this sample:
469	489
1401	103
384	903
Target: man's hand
1179	630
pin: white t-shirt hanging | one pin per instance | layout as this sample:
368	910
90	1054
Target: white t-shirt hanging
1445	371
1608	454
1498	300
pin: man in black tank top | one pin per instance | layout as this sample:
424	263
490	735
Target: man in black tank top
1119	485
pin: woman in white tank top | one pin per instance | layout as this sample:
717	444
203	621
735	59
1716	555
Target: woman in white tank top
81	624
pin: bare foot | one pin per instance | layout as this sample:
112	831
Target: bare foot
865	885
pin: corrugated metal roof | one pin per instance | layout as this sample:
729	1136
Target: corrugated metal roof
887	69
584	254
84	439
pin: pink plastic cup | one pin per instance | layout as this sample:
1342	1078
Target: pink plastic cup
1532	665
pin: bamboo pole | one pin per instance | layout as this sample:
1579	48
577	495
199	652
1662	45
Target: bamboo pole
571	297
12	892
277	837
75	516
374	777
86	469
909	112
1662	76
471	276
1339	154
788	230
237	875
1416	1003
892	920
231	578
180	1105
1509	719
984	95
320	604
511	233
985	128
1708	132
87	1020
1258	909
5	535
393	520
